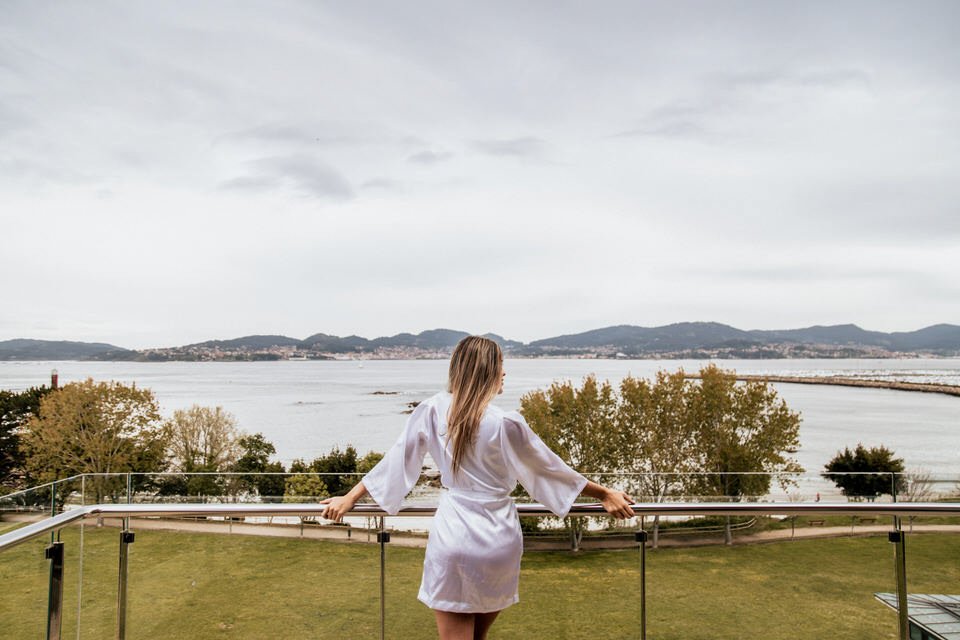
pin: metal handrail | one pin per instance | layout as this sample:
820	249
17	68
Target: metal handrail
898	509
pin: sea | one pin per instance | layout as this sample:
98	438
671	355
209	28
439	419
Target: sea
307	407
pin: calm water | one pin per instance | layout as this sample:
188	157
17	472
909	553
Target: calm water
305	408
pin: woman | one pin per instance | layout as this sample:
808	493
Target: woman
472	562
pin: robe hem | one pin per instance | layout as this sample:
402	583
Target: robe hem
466	607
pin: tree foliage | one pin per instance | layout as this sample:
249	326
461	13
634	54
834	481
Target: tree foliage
655	435
301	487
16	409
577	423
673	434
865	474
200	440
254	459
655	438
342	468
744	434
94	427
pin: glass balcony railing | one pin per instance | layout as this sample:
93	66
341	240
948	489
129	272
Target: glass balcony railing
164	556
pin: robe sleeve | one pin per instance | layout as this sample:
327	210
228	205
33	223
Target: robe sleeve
545	476
394	476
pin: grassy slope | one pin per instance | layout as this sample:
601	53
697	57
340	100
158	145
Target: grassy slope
212	586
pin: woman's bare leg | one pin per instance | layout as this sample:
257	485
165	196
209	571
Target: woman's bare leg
482	623
454	626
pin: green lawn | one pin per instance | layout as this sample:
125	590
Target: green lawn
196	586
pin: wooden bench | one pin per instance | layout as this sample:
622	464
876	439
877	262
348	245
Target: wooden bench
816	523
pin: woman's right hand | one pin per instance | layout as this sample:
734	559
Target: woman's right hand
337	507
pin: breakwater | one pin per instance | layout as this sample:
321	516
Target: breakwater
898	385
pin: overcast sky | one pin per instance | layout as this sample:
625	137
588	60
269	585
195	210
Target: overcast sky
172	172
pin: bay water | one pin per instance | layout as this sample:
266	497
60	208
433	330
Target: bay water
307	407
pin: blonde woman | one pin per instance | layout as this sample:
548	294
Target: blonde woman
472	562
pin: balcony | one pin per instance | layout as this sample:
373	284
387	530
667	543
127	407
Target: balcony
135	564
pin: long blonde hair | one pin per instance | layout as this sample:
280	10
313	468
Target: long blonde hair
476	367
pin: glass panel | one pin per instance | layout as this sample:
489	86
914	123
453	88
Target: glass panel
91	585
263	577
25	573
932	549
24	570
562	594
819	587
575	567
407	617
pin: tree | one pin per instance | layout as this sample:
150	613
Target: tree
656	438
865	473
579	425
744	435
304	485
343	466
16	409
200	440
95	427
255	452
738	434
343	470
369	461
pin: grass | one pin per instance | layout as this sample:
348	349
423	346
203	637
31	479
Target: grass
198	586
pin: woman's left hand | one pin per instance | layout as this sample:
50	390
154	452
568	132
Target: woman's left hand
617	503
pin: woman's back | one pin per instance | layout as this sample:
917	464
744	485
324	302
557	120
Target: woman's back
505	450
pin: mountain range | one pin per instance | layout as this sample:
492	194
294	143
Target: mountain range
685	339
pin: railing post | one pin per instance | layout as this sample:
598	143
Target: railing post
898	538
383	537
126	539
642	539
53	505
54	553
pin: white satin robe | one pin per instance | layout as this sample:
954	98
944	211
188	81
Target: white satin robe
472	561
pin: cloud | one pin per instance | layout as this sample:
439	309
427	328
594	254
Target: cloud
724	102
381	185
430	157
888	207
300	173
11	120
667	129
529	147
319	133
767	134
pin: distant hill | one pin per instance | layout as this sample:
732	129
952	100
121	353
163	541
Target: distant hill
683	335
689	336
938	337
841	334
432	339
25	349
249	342
683	339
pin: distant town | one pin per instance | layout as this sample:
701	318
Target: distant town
688	340
766	351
